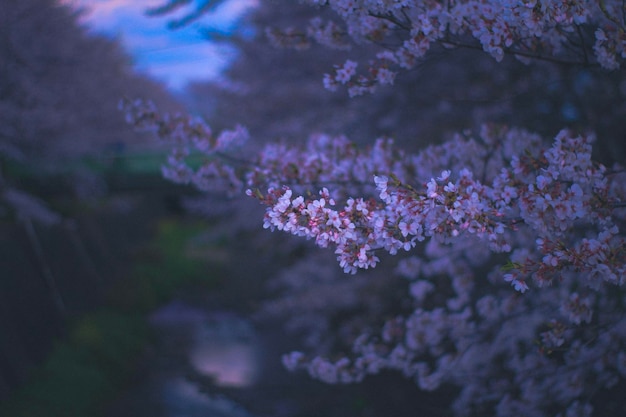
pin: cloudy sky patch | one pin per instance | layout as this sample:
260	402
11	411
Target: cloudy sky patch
174	57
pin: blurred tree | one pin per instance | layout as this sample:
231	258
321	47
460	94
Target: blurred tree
59	92
59	86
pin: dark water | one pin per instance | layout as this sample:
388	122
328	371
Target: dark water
217	363
197	354
211	359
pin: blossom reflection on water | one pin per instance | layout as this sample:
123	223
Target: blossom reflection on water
228	364
218	345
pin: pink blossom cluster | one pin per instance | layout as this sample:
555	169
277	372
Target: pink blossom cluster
473	216
587	32
509	354
549	194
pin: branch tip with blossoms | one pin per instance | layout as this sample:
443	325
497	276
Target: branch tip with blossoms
581	32
552	193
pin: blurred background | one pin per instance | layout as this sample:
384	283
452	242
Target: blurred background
124	295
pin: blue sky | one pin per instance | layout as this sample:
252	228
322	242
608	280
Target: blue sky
174	57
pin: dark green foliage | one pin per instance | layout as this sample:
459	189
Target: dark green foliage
164	266
85	370
98	356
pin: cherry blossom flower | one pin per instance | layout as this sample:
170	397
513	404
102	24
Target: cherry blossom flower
513	245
